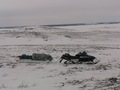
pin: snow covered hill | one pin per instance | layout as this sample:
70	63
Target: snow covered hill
101	41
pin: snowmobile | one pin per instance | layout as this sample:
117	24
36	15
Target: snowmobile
78	58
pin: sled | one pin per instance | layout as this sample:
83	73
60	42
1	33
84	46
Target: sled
34	58
31	61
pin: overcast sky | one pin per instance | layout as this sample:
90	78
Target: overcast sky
40	12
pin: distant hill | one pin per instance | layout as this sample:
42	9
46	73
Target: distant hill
77	24
58	25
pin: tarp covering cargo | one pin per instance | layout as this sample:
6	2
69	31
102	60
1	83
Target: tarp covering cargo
42	57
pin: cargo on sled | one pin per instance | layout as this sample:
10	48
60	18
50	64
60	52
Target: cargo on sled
35	57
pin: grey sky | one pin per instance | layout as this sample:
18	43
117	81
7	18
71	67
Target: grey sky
40	12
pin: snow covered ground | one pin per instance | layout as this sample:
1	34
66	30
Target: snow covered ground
101	41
